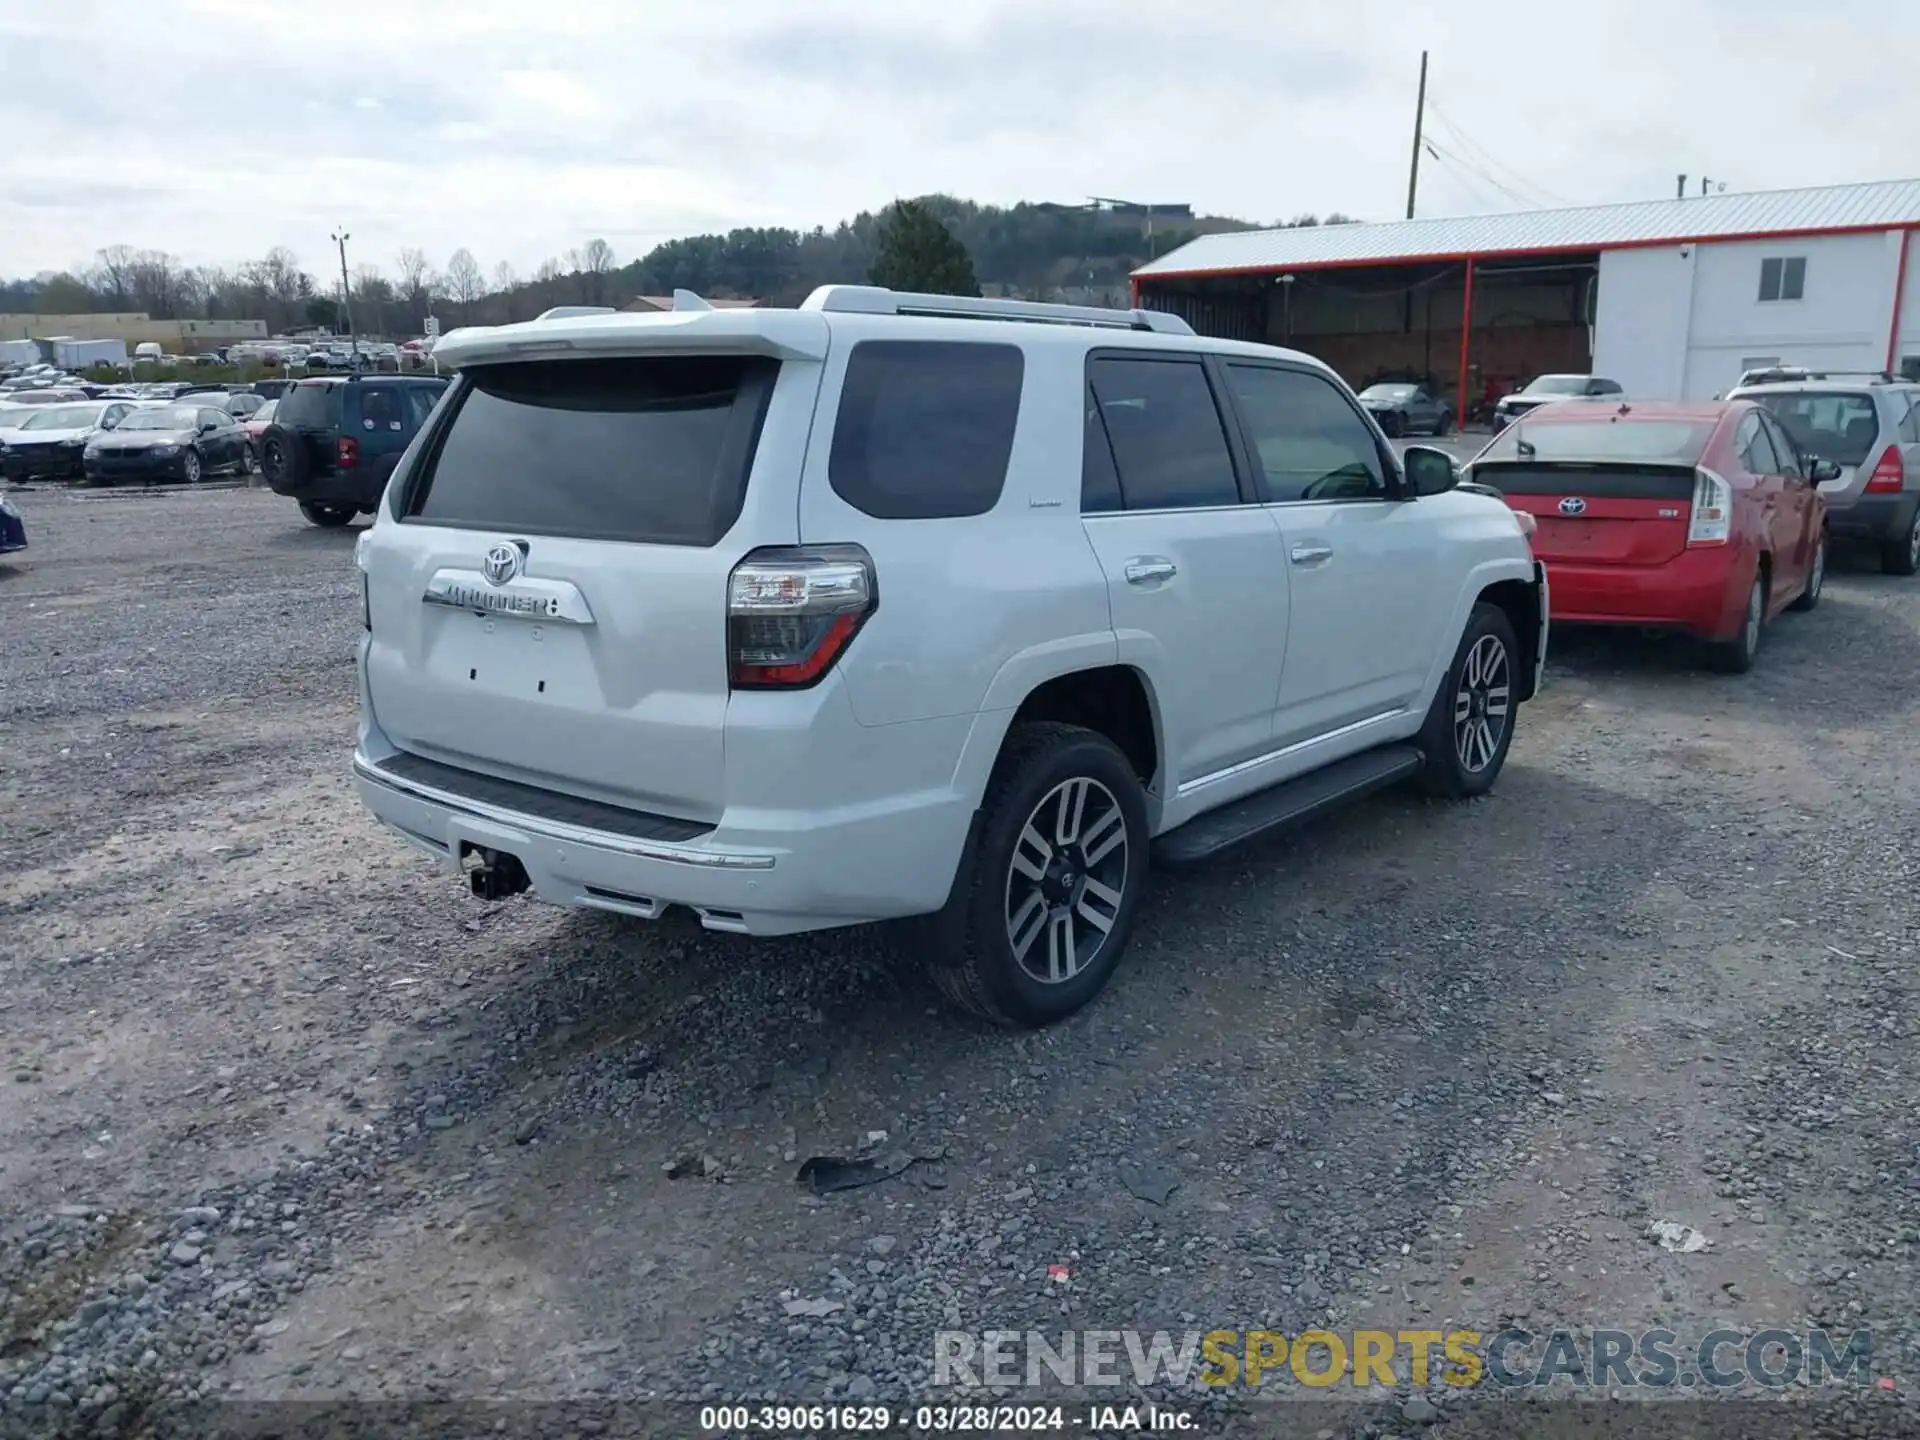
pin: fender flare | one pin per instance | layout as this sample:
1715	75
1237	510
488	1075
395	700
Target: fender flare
1484	574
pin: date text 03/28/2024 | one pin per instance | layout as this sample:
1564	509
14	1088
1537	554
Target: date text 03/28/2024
941	1419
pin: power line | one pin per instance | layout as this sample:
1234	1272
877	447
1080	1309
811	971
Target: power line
1460	171
1467	143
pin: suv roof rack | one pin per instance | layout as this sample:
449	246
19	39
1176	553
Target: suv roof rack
1778	374
876	300
569	312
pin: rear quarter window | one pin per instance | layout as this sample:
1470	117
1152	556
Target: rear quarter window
925	427
650	450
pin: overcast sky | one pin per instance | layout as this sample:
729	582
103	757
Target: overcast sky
215	129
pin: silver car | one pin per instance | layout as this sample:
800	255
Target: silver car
1546	389
1868	425
1404	408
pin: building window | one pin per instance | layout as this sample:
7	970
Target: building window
1783	279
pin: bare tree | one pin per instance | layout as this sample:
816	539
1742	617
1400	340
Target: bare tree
506	284
372	300
113	274
547	279
154	280
416	283
592	263
465	282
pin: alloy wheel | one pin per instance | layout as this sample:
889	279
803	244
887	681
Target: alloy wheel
1913	542
190	467
1818	577
1481	703
1065	883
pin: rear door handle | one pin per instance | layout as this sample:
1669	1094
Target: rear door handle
1311	554
1146	570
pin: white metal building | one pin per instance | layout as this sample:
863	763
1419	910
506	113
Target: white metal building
1672	298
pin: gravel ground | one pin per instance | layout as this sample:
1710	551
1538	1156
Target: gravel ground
286	1114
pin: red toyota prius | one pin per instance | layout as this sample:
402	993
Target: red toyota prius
1704	519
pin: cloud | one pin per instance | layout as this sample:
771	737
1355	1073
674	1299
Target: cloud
216	129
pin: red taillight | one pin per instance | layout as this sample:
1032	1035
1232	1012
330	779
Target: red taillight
1889	474
349	452
792	612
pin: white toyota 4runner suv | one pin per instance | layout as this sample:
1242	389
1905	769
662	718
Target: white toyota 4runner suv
908	607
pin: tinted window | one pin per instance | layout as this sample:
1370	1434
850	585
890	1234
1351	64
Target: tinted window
1756	450
654	449
925	427
219	419
1169	445
1837	426
380	408
1099	481
1306	438
1910	424
1659	442
309	406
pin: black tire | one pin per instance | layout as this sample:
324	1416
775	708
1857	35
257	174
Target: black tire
327	517
1469	726
1902	556
249	460
1736	656
969	947
1394	424
283	458
1441	430
1816	576
192	467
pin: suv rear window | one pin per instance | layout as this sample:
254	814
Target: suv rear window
315	407
1833	425
652	450
926	427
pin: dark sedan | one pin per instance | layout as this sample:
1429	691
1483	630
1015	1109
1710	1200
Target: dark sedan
13	530
170	442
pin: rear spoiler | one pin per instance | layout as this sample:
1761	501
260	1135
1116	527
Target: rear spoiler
777	334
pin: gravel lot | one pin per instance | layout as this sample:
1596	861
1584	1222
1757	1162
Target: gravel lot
285	1113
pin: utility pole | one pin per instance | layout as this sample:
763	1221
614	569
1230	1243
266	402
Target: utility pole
1681	192
1419	116
340	238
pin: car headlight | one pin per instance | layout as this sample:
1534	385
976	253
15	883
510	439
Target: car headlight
74	443
92	452
6	508
164	450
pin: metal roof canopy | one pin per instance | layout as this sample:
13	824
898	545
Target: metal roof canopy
1764	214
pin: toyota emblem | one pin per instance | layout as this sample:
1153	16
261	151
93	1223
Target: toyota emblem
1572	505
503	563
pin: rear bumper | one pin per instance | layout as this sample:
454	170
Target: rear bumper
335	488
763	882
1701	592
1875	517
48	464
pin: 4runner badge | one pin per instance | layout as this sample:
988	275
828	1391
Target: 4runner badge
503	563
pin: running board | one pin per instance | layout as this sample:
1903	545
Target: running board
1289	803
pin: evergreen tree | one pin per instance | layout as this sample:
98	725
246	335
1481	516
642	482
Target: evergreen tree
917	252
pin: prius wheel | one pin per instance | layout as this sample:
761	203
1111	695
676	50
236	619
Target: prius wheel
1469	726
190	468
1736	656
1044	903
1902	556
1816	575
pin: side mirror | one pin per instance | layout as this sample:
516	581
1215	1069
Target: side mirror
1429	471
1821	471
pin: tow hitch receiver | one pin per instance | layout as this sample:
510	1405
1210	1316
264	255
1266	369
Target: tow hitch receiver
494	874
